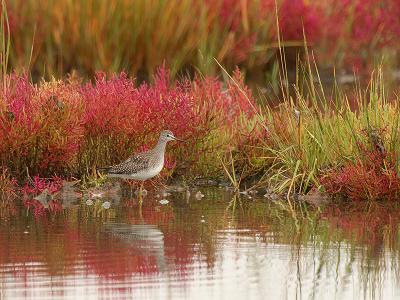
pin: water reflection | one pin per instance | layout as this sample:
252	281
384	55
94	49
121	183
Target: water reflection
219	246
144	240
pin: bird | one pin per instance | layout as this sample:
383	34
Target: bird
144	165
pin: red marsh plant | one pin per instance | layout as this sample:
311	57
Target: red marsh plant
40	126
343	32
354	32
228	112
120	116
373	176
296	16
70	128
224	29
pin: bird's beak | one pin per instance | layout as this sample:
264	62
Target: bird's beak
176	139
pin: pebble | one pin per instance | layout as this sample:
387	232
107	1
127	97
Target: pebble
199	195
96	194
164	201
106	205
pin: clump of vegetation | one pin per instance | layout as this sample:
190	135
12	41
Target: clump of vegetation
71	128
138	36
8	193
329	141
373	176
313	140
41	126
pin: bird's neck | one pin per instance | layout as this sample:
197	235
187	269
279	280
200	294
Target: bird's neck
160	147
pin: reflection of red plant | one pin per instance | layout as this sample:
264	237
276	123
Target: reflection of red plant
38	208
366	223
8	193
39	185
8	184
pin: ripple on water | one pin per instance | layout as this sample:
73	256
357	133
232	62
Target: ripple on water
165	252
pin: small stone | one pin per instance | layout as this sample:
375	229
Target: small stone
180	189
89	202
199	195
163	201
274	196
106	205
202	221
96	194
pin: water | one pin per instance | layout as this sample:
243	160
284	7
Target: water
219	247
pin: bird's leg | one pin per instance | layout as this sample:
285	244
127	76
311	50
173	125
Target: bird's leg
141	192
140	211
131	187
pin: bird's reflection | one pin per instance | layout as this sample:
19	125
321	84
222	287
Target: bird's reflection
147	239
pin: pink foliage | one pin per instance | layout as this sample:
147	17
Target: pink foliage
40	125
351	29
374	177
230	103
55	127
294	15
38	185
116	105
358	28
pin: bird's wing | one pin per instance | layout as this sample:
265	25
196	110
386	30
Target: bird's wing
132	165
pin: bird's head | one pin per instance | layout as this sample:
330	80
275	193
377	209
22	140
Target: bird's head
167	135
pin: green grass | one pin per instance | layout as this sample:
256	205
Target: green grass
56	37
313	131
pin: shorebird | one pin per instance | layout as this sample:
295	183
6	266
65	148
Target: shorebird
144	165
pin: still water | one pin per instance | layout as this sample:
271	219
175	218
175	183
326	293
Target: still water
218	247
